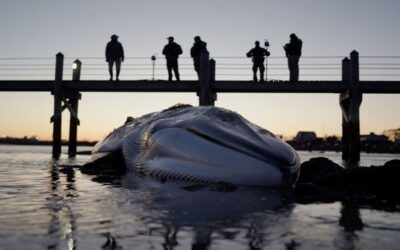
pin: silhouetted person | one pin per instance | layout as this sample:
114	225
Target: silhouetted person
258	55
198	47
114	54
172	51
293	53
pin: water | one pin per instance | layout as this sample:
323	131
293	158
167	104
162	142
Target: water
44	207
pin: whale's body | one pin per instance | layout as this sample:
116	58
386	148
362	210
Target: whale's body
203	144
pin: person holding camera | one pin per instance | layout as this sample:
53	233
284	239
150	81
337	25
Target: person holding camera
258	54
293	53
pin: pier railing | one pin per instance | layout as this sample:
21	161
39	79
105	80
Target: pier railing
237	68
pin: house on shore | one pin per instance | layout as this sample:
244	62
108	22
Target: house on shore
393	135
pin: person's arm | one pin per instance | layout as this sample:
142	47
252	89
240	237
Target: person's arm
286	49
250	53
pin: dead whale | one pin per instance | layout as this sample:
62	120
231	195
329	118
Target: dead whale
203	145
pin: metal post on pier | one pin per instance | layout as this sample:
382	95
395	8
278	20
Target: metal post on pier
57	92
74	98
266	43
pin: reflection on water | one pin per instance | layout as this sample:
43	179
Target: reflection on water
62	225
45	206
350	218
253	216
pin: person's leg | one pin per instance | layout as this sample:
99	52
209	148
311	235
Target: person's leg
296	68
118	66
196	62
176	70
255	72
169	68
262	69
290	65
110	69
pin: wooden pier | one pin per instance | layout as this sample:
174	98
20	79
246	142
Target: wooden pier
68	93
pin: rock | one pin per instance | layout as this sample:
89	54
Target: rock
382	180
112	164
322	180
316	169
392	164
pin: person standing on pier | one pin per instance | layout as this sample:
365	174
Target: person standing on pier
293	53
114	54
195	52
172	51
258	55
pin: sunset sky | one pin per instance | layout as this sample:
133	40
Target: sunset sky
80	29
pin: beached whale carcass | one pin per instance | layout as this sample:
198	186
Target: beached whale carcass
203	144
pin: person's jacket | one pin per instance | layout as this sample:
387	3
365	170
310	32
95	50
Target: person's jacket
172	50
294	47
197	48
114	51
258	54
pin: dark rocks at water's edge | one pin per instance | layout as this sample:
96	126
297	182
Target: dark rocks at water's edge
107	169
322	180
318	168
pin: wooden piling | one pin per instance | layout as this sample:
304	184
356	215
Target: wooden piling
344	104
57	92
213	96
354	109
204	77
350	102
74	98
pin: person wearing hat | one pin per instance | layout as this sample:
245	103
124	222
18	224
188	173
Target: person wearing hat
172	51
198	47
258	55
114	54
293	53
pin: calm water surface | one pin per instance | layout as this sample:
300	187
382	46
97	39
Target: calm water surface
45	207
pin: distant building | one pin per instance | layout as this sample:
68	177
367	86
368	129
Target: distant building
373	143
393	135
305	136
373	138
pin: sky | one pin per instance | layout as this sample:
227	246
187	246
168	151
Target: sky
80	29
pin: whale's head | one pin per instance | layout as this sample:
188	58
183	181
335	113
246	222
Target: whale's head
209	144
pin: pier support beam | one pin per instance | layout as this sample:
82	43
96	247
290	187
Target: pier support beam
74	98
206	76
350	102
56	119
